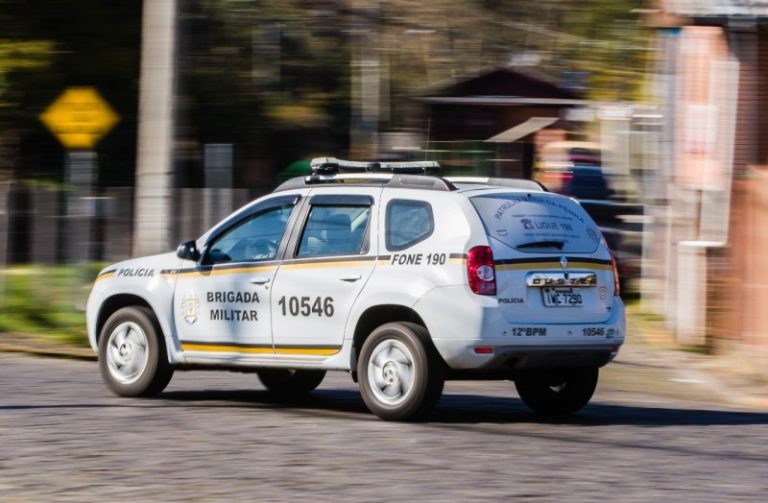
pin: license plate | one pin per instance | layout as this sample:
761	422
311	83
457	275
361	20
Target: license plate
562	297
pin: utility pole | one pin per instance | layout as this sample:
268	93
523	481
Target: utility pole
152	215
366	79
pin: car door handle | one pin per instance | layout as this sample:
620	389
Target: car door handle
351	279
260	281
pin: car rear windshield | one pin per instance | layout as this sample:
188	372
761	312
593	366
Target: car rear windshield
537	223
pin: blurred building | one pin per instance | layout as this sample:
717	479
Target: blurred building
498	112
709	242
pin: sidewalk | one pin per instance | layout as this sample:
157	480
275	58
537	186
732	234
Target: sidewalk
728	379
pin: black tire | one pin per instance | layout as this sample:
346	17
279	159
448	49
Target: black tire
557	393
401	376
132	356
290	382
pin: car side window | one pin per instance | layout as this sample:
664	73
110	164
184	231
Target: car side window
255	238
334	230
408	222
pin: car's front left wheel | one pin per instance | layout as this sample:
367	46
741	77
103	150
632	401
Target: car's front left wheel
132	355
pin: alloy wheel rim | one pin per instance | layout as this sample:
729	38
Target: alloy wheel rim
391	372
127	352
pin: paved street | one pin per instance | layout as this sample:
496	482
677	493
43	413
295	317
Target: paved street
215	436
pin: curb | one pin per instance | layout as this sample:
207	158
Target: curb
725	376
12	343
50	353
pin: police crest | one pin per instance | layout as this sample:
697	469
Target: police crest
189	305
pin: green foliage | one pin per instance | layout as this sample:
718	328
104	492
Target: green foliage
433	42
47	47
281	80
300	66
21	55
279	71
17	56
46	301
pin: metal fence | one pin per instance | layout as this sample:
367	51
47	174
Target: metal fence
51	225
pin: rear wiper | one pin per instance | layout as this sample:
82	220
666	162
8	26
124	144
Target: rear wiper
543	244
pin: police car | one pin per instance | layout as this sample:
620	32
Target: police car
384	270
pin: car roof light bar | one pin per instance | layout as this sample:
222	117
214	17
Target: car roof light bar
331	165
396	180
517	183
393	180
348	178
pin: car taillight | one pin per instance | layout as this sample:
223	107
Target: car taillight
480	270
615	267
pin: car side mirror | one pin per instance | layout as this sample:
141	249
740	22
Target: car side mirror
188	251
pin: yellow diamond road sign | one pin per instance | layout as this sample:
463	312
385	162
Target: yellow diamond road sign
79	118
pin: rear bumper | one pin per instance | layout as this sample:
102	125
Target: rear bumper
470	333
511	359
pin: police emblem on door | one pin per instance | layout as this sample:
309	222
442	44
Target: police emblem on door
189	306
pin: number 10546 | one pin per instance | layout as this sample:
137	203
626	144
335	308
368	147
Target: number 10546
306	306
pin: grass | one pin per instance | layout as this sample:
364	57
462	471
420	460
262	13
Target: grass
654	330
47	301
647	327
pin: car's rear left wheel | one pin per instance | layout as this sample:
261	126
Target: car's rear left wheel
401	376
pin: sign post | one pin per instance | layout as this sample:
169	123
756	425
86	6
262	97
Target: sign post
79	118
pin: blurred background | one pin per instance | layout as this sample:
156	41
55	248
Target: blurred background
127	127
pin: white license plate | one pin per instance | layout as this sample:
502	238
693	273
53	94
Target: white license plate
562	297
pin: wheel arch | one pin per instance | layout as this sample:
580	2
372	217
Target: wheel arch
116	302
376	316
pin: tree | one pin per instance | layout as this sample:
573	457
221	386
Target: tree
15	56
67	43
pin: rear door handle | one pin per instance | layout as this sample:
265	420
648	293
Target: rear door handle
351	279
260	281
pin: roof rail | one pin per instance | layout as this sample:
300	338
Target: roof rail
331	165
392	180
517	183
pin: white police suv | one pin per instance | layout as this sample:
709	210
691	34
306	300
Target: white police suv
386	271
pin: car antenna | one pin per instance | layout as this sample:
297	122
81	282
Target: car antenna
426	146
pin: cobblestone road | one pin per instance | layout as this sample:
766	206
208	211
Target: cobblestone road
219	437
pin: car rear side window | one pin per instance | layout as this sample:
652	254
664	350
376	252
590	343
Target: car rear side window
334	230
408	222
